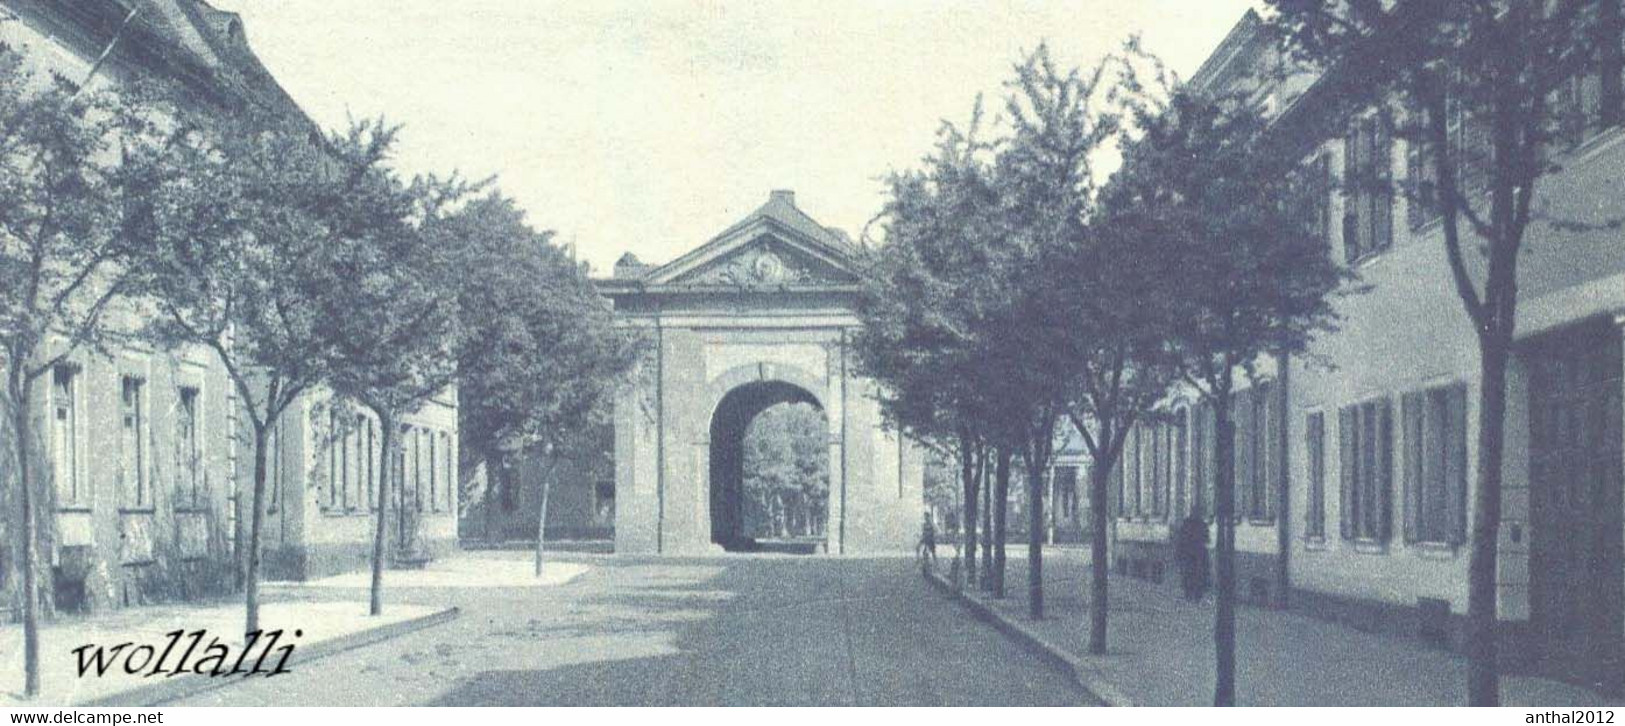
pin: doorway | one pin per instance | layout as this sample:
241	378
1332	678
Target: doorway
1576	476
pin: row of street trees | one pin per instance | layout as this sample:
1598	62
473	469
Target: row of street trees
300	259
1190	265
1013	292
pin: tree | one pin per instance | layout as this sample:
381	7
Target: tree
1048	185
64	269
1104	294
391	321
235	224
914	339
1503	64
541	357
1200	184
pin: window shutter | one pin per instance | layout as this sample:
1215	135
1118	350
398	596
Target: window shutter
1131	471
1323	199
1456	466
1315	450
1382	195
1240	412
1385	471
1351	195
1346	435
1414	175
1411	481
1210	472
1117	486
1273	461
1159	471
1182	487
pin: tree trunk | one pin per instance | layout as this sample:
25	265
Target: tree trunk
28	529
1224	555
541	516
256	523
1001	510
1483	677
982	471
380	531
493	497
1100	473
1035	537
967	473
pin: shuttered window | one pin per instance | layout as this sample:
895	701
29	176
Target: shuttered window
1365	442
1368	209
1182	487
1261	451
1119	482
1435	461
1158	474
1202	459
1315	460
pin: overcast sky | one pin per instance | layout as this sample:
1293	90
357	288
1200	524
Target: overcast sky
648	126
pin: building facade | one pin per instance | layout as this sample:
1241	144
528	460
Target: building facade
755	317
145	450
1355	462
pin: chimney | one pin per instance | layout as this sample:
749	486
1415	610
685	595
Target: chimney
786	196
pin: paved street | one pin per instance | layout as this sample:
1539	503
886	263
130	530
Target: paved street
728	631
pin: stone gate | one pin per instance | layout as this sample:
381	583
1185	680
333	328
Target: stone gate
757	316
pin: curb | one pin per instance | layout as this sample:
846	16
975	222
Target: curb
193	684
1083	674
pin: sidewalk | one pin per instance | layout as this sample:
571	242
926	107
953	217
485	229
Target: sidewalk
1161	650
489	568
327	628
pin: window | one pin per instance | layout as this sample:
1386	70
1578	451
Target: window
434	471
1260	452
1119	479
132	452
1311	200
1182	497
374	464
450	463
1132	452
1158	476
1066	491
70	491
1314	431
273	467
1435	438
355	468
1589	100
1244	415
335	471
419	470
1202	460
1365	441
1368	209
188	474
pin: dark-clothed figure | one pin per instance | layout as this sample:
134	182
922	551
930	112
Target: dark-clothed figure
1190	553
928	541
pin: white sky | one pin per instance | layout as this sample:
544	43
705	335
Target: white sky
649	126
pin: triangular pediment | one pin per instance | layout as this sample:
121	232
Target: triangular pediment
777	245
766	261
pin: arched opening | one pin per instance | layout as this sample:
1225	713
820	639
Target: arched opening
769	469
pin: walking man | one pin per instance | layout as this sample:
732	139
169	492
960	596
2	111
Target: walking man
928	541
1190	553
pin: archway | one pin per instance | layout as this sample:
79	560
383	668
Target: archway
729	425
759	315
